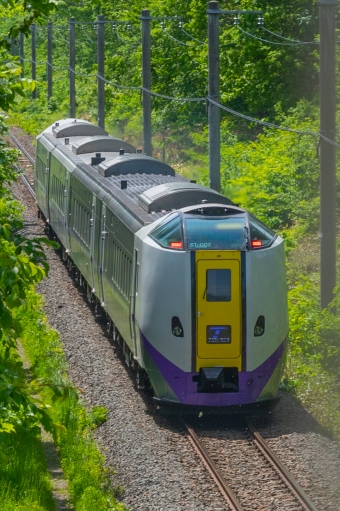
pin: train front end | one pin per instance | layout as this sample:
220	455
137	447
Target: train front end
210	309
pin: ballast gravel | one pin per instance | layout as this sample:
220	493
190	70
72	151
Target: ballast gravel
154	465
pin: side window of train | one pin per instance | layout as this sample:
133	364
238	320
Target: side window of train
169	234
136	273
260	234
74	219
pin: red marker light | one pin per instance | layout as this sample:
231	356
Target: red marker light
176	244
256	243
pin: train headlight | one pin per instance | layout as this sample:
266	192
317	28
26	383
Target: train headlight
176	327
259	326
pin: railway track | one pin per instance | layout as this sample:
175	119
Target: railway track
21	148
26	162
268	455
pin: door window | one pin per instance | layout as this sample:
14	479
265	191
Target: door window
218	285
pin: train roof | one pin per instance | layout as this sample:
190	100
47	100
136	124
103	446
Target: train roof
144	186
100	143
121	164
63	122
76	129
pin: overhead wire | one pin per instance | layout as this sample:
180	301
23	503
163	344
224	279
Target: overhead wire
329	141
87	36
206	99
58	68
174	39
258	121
35	62
131	87
249	34
271	125
172	98
205	43
83	75
287	38
134	43
57	33
192	37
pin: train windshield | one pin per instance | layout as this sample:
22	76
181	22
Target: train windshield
170	234
196	232
228	233
261	235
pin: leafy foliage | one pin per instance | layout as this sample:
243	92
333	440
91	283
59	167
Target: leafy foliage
314	351
8	158
22	265
11	83
23	14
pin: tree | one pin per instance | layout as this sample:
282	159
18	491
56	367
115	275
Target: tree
23	13
22	260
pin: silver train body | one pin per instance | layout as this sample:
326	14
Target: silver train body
194	284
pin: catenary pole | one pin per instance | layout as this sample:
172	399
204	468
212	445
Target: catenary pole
33	46
72	76
146	79
100	59
327	19
214	93
49	60
22	62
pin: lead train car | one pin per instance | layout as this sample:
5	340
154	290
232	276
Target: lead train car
194	284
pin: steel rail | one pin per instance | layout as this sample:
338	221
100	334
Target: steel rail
269	454
30	159
288	479
26	182
226	491
21	147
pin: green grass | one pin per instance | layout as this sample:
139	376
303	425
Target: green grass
82	462
24	480
312	372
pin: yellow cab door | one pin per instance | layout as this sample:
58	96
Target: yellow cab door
218	309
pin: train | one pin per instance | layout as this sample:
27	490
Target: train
192	285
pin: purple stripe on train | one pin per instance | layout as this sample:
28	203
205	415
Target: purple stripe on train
251	383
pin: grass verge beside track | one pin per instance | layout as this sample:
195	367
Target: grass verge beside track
81	460
24	481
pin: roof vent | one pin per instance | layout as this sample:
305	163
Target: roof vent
177	195
67	141
139	151
123	184
77	129
96	160
101	143
121	151
134	164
